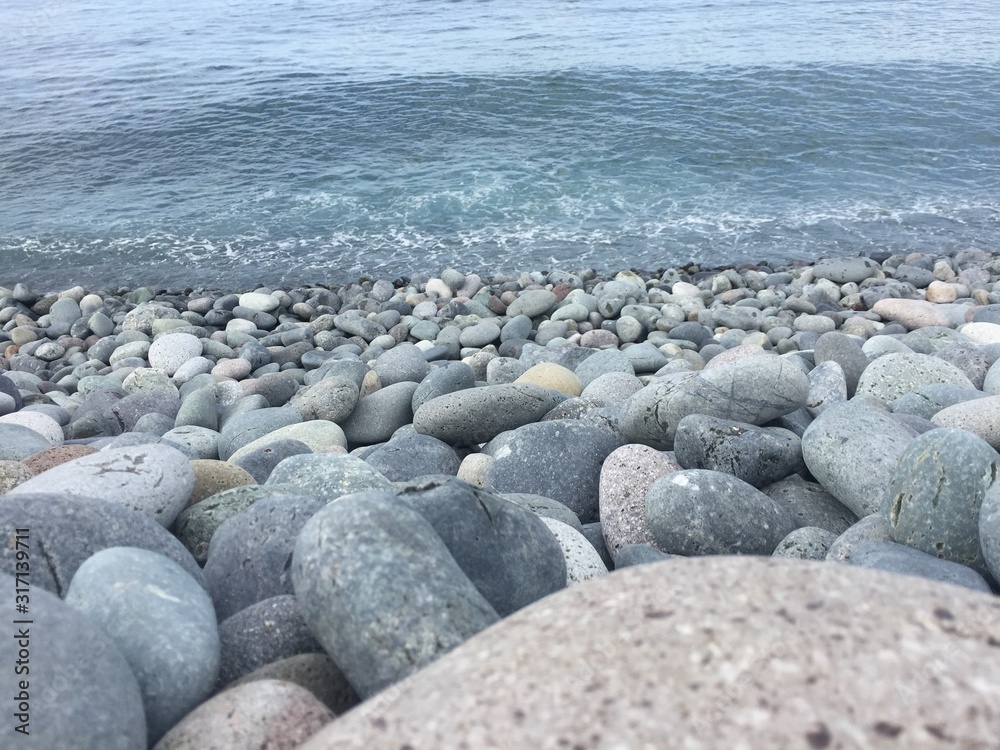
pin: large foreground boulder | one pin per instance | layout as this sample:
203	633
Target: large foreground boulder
716	652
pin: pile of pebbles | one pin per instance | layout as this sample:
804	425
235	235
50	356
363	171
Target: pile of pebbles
278	504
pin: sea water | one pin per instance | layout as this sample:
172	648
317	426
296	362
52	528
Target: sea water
230	143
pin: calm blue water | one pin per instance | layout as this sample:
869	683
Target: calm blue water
224	142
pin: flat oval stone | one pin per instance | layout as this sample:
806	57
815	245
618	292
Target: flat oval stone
407	457
702	512
161	620
504	549
398	600
980	416
82	694
899	558
933	499
169	353
378	415
477	415
260	462
43	424
892	375
532	303
852	450
403	363
319	435
261	714
248	557
759	637
153	479
18	442
251	425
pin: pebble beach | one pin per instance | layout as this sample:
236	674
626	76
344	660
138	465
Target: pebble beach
691	507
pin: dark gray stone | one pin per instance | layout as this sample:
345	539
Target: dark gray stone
639	554
332	398
929	400
477	415
898	558
161	620
328	476
696	333
264	632
844	270
810	505
260	462
560	459
933	499
989	530
124	414
806	543
7	386
198	409
380	590
594	533
407	457
757	455
83	695
379	414
504	549
873	527
968	358
403	363
852	450
249	557
18	441
701	512
752	389
244	428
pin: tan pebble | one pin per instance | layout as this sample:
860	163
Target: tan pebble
370	384
55	456
554	377
212	476
940	292
13	473
912	313
473	469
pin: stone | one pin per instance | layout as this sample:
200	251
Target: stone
196	525
640	554
626	475
403	363
477	415
982	332
912	313
149	607
505	550
932	501
82	693
852	450
13	473
827	386
123	415
152	479
169	352
328	476
810	505
545	507
212	477
249	555
873	527
201	441
552	377
407	457
260	462
316	673
898	558
968	358
244	428
846	352
806	543
260	301
332	399
754	389
18	442
532	303
603	362
479	335
582	560
319	435
929	400
845	270
8	387
757	455
276	387
43	424
454	376
261	714
264	632
560	459
54	456
702	512
746	631
397	600
612	388
378	415
989	530
892	375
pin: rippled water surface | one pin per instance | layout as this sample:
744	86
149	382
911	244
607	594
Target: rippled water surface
231	143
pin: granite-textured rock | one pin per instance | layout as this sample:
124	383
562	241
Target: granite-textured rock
582	560
702	512
754	389
161	620
328	476
545	507
899	558
331	399
806	543
477	415
153	479
212	477
380	590
871	528
79	691
852	450
261	714
626	475
407	457
760	638
13	473
249	555
980	416
757	455
267	631
891	376
260	462
933	499
316	673
810	505
560	459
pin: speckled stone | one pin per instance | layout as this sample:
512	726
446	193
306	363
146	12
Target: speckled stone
554	377
82	693
806	543
626	475
810	505
43	424
260	714
332	399
933	499
980	416
55	456
688	622
13	473
892	375
378	415
874	527
169	352
582	560
328	476
316	673
381	591
407	457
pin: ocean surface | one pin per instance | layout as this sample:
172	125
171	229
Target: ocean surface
228	143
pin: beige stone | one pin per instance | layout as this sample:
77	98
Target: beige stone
316	673
554	377
13	473
940	292
473	469
625	476
982	333
912	313
258	715
737	352
211	476
711	652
